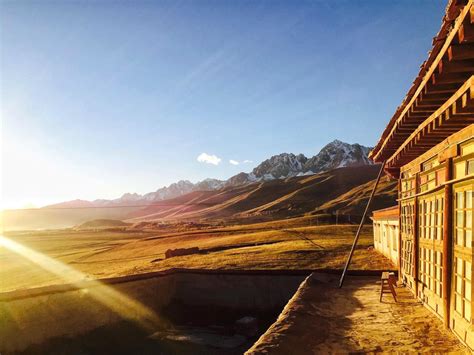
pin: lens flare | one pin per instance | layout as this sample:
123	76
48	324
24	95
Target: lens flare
117	302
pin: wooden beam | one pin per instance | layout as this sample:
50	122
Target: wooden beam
425	106
449	78
466	32
460	51
447	241
441	88
433	96
416	115
399	190
459	66
415	238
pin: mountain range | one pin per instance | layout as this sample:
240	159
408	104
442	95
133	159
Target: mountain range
336	181
334	155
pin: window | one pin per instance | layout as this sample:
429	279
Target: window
431	220
467	147
464	165
407	257
463	217
431	217
463	249
377	232
428	181
430	164
462	290
431	270
432	174
470	166
408	186
407	218
406	230
394	238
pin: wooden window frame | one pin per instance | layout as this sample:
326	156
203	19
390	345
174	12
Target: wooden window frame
463	252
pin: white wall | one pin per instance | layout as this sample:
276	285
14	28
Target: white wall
386	238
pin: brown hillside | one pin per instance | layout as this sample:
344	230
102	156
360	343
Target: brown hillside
344	189
354	201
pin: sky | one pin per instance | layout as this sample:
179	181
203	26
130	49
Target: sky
99	98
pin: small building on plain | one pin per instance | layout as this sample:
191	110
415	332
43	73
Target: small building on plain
386	232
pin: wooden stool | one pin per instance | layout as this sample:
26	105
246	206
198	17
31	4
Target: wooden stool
388	280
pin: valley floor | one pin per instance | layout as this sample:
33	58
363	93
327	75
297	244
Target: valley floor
285	244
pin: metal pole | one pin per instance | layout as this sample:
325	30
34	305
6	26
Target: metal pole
356	238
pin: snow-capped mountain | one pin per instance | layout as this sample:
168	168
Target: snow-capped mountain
176	189
280	166
209	184
338	154
334	155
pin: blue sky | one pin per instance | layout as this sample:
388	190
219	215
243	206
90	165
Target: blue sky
99	98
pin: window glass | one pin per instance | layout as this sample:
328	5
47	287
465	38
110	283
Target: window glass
470	166
467	148
460	169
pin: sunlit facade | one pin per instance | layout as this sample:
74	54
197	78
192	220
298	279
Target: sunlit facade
386	232
428	146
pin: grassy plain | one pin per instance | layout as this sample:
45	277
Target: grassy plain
284	244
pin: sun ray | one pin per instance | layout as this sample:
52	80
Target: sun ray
114	300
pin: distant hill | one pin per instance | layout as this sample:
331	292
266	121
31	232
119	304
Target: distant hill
102	223
58	217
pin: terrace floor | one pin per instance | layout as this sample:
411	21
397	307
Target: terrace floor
320	318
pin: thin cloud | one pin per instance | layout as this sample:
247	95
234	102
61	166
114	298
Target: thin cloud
246	161
208	159
234	162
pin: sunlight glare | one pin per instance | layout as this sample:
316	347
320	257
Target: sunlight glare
117	302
